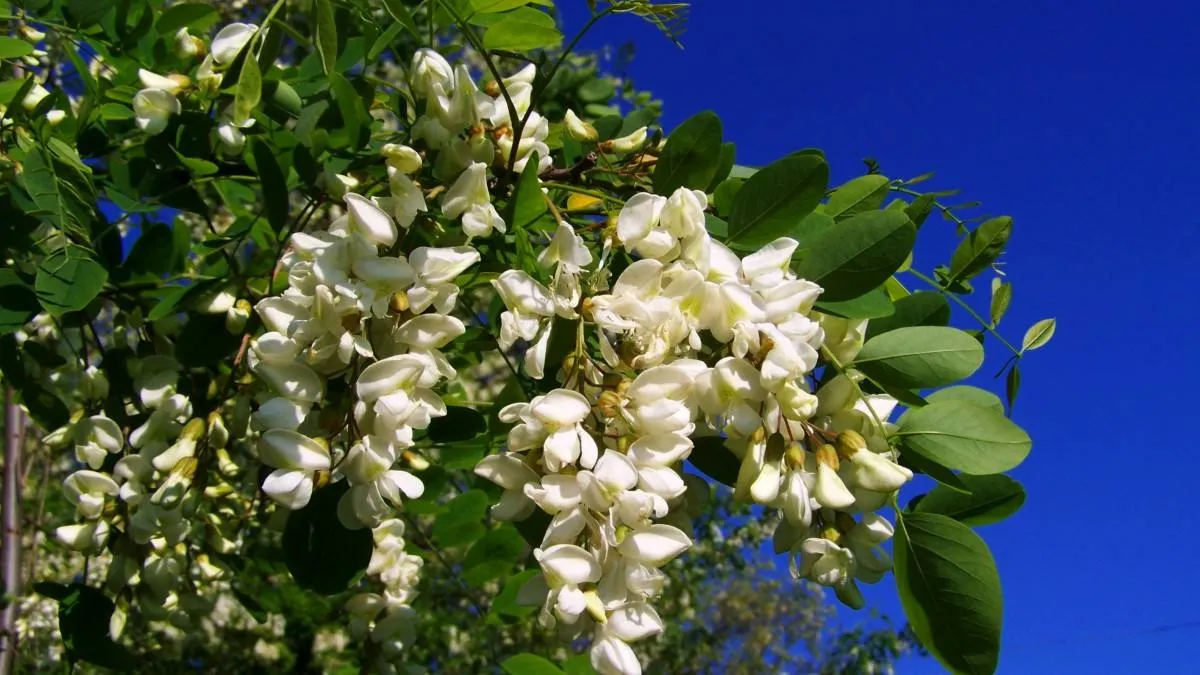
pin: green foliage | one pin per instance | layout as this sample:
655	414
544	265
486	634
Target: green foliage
962	436
991	499
321	553
692	155
950	591
858	255
920	357
775	200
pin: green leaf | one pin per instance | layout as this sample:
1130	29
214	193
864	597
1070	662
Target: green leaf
14	48
459	424
325	37
68	279
871	305
189	14
950	591
858	254
354	114
724	165
83	618
775	199
248	93
1038	335
18	302
522	31
865	193
45	188
1012	385
529	204
934	470
493	555
920	209
283	96
973	395
992	499
963	436
322	554
691	155
46	408
1001	298
153	252
919	357
462	521
205	341
980	249
716	461
401	14
493	6
923	308
274	185
528	664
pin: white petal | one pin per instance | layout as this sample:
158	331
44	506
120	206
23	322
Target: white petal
506	470
286	449
611	656
569	564
291	489
634	622
655	545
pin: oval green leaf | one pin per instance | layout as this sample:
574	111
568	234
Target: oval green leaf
313	532
865	193
14	48
963	436
874	304
923	308
992	499
714	460
1001	299
528	664
980	248
325	35
522	31
1038	335
919	357
775	199
68	279
973	395
858	254
691	155
950	590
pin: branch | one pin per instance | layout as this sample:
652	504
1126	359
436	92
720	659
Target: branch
10	539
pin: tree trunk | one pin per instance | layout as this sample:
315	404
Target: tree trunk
10	541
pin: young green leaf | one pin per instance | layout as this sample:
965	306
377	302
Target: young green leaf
992	499
325	37
495	6
691	155
1038	335
962	436
865	193
980	248
858	254
249	91
775	199
522	31
1001	298
920	357
401	14
68	279
950	590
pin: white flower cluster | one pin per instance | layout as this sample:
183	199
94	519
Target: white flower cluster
387	618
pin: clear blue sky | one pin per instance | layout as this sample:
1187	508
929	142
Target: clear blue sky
1082	121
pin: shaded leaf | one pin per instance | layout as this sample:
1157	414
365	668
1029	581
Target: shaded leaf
68	279
691	154
322	554
980	248
923	308
992	499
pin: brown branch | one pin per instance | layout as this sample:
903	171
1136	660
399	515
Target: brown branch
10	539
571	174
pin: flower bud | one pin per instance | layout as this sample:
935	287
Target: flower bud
626	144
187	45
237	316
850	442
32	34
55	117
402	158
578	129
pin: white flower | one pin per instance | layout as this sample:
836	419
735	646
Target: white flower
87	489
370	221
95	438
86	537
430	73
152	109
151	80
825	562
229	132
186	44
36	93
230	40
627	144
295	458
375	485
469	198
656	545
566	250
509	472
865	540
610	655
613	474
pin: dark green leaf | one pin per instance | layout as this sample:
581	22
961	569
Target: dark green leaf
950	591
716	461
493	555
153	252
462	521
871	305
1012	385
45	188
325	37
691	155
529	664
992	499
274	185
401	14
919	357
459	424
68	279
204	340
350	104
283	96
923	308
724	165
44	406
865	193
83	618
189	14
87	13
858	255
322	554
18	302
920	209
963	436
776	199
980	248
